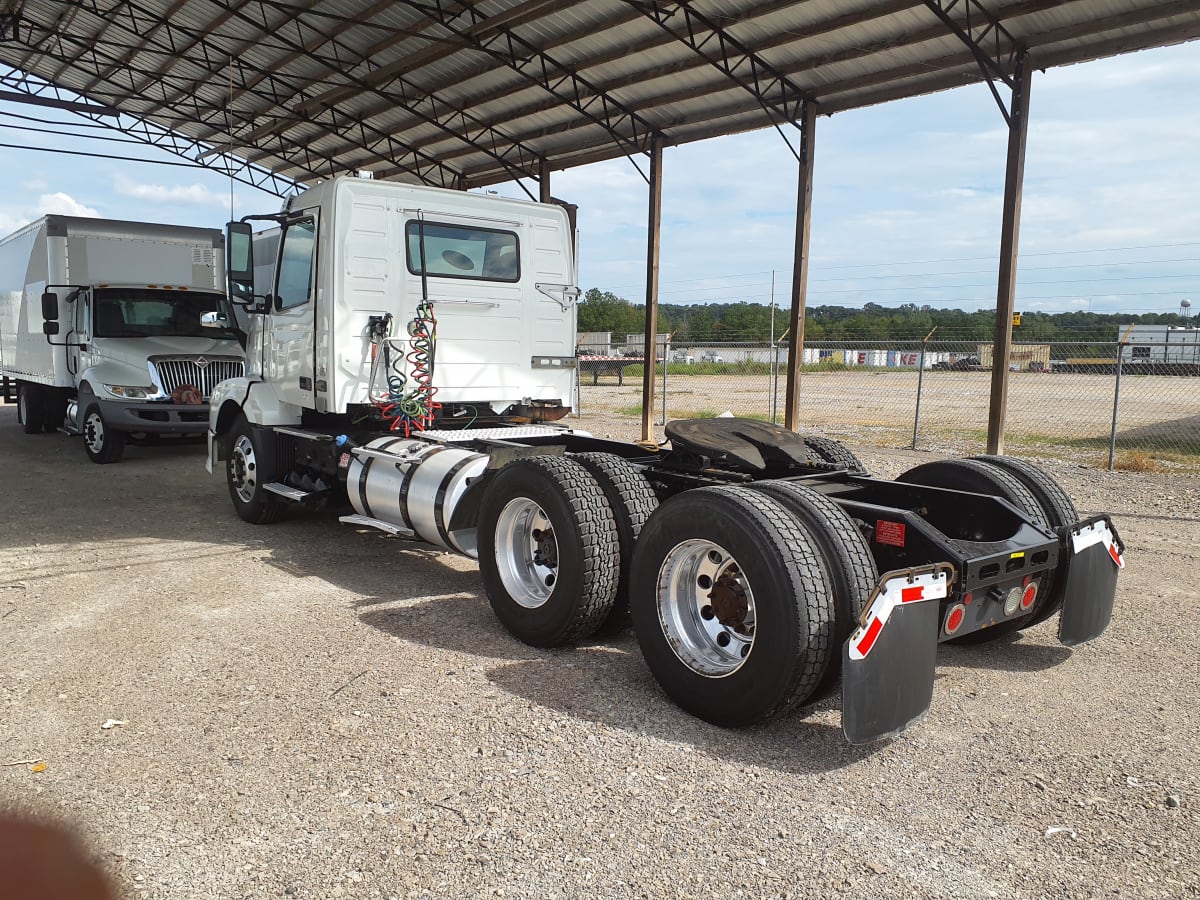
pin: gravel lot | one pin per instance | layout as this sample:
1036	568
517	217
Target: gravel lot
309	711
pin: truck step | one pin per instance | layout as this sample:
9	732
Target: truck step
8	390
285	490
397	530
304	435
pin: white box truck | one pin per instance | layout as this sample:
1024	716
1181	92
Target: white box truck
100	329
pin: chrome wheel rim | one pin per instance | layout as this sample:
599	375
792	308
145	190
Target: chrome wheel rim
706	608
93	432
526	552
243	469
23	407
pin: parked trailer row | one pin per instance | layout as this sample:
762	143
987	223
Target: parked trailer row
409	362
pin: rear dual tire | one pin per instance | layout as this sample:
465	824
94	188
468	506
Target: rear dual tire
732	606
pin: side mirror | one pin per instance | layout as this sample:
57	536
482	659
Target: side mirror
50	309
214	320
239	262
49	328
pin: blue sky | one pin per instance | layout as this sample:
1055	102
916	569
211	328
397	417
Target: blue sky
906	198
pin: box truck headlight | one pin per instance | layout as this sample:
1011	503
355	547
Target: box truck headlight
129	393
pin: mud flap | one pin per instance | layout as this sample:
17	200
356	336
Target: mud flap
889	661
211	462
1095	556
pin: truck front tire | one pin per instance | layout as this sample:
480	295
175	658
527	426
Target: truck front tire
102	443
31	407
247	471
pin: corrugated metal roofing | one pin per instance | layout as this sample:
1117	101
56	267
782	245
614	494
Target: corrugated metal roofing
465	93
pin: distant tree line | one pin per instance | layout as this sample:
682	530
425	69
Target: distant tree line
718	322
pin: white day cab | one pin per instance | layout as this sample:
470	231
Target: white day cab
410	357
100	329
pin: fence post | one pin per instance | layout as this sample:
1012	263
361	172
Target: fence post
920	387
1112	442
666	365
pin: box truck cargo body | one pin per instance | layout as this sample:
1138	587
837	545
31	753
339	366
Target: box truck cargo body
100	328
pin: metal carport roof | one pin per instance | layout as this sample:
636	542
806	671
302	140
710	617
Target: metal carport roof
460	93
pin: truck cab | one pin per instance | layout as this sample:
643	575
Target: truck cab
405	305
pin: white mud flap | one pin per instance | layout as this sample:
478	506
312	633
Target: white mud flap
888	662
1095	556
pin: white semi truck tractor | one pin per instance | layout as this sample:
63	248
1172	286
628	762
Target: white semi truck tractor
410	363
100	329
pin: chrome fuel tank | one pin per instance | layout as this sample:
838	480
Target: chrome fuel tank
415	485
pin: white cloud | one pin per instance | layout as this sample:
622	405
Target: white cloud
196	193
61	204
36	184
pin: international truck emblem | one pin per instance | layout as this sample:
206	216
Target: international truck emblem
201	362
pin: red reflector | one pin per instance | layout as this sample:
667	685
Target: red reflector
967	598
909	594
955	619
868	641
1116	556
1029	596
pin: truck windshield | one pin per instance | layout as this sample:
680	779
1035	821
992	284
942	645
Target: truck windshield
145	312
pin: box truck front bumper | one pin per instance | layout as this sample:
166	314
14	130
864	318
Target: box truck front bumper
155	418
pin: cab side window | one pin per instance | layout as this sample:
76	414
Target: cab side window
294	286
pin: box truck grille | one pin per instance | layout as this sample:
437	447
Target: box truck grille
203	372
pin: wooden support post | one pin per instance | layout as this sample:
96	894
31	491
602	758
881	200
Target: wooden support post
1018	129
791	409
653	242
544	180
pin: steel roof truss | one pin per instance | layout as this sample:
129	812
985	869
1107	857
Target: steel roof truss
540	68
995	50
780	97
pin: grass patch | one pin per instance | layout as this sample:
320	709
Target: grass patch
1135	461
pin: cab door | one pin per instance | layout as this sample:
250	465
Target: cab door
290	348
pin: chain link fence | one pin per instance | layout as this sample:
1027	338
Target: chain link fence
1104	404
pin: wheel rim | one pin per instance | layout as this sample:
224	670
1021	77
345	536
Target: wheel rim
243	469
706	608
93	432
526	552
22	407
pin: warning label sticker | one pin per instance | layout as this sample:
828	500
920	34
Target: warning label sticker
891	533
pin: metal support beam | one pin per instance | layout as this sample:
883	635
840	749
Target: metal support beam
653	242
544	180
791	409
1014	177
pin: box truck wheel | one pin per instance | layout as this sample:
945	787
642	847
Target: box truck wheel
248	469
732	605
31	407
102	443
548	550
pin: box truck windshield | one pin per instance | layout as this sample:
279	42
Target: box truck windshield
142	312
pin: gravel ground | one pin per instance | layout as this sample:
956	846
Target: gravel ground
308	711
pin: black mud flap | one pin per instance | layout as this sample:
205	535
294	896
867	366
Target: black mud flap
1094	556
889	661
